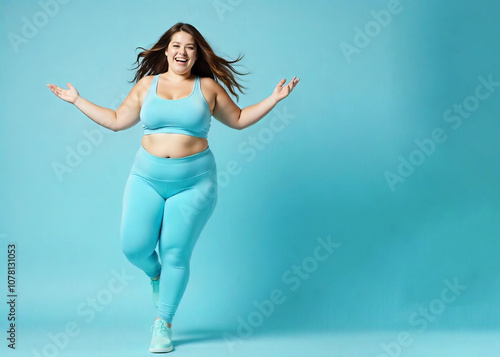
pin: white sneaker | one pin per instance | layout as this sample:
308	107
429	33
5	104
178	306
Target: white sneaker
156	291
161	341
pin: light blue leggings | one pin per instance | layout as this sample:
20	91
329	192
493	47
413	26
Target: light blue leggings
167	202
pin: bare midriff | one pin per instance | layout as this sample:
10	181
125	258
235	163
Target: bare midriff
171	145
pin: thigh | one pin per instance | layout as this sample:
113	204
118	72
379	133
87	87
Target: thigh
142	215
186	214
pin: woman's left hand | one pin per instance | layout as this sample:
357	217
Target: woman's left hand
281	92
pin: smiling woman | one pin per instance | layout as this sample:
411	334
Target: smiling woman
176	94
162	122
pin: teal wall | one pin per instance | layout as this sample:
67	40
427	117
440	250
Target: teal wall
388	149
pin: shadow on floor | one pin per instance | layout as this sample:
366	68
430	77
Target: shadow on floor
201	335
189	336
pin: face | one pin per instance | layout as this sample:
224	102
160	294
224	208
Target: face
181	52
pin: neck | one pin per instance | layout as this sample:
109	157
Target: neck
177	77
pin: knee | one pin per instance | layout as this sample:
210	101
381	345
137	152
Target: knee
175	258
135	251
131	252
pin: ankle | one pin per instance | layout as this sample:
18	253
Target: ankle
169	324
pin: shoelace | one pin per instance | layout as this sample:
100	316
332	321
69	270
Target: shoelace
159	328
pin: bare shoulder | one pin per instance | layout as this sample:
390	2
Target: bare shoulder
210	90
142	86
210	85
144	83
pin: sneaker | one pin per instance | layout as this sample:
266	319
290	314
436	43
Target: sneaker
156	291
161	341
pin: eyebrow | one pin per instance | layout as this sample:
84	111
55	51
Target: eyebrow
186	43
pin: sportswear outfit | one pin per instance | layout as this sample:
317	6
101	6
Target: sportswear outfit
168	201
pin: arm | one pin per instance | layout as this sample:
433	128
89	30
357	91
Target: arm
126	116
228	113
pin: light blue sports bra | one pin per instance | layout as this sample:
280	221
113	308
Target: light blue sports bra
189	115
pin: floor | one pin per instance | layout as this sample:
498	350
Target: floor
76	342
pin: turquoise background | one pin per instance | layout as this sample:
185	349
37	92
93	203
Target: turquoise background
352	119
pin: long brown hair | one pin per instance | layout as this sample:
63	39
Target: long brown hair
208	64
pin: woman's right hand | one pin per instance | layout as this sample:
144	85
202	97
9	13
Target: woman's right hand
69	95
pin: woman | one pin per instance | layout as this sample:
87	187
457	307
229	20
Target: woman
172	188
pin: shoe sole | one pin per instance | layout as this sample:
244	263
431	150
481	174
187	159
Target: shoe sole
161	349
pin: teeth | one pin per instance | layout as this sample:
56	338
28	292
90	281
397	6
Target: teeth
181	60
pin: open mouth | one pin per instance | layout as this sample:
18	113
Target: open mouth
181	60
